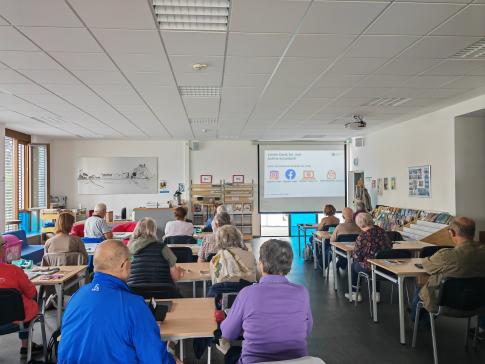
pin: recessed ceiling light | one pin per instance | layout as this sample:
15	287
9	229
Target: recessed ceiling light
199	66
474	51
200	91
387	101
205	15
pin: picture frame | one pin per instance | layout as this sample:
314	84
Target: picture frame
419	181
237	178
206	178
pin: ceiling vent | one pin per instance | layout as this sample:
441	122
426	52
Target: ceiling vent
358	124
474	51
204	121
199	15
359	142
200	91
387	101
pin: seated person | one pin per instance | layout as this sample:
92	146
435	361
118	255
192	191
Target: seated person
274	315
347	227
329	219
14	277
147	250
209	225
96	226
232	263
209	242
105	322
372	240
466	259
62	242
179	226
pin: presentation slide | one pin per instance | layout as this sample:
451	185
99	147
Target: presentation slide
301	177
303	173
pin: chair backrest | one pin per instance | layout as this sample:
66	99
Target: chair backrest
11	306
231	289
125	227
57	259
183	254
304	360
393	254
156	290
327	227
19	234
210	256
92	240
180	239
345	238
428	251
78	229
228	299
394	235
463	294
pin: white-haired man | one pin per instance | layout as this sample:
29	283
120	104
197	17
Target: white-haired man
96	226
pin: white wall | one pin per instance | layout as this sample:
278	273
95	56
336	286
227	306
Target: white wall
428	139
470	168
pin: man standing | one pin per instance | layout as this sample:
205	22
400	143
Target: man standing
105	322
96	226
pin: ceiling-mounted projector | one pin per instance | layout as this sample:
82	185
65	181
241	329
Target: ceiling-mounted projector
358	124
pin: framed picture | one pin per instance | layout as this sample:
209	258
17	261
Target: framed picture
419	181
237	178
386	183
206	178
393	183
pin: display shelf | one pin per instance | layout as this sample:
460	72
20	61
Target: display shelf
51	215
205	198
238	199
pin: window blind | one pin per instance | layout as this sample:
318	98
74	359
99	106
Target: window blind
9	180
38	175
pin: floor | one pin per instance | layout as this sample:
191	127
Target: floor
342	333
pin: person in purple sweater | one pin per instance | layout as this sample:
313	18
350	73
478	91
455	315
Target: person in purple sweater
274	316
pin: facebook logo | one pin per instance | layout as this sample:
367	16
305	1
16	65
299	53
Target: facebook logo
290	174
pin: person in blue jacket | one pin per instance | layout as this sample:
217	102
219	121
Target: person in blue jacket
105	322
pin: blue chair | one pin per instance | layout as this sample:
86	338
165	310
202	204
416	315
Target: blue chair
92	240
31	252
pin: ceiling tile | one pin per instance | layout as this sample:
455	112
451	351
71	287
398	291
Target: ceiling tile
129	41
319	45
357	66
470	21
194	43
456	67
380	45
50	76
62	39
203	107
412	19
467	82
438	46
324	92
245	80
249	64
332	80
149	78
428	81
359	92
12	40
28	60
92	77
257	45
39	13
251	16
403	66
84	61
442	93
306	106
124	14
186	75
299	71
340	17
142	62
22	88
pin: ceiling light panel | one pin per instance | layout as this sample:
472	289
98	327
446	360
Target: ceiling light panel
474	51
200	91
201	15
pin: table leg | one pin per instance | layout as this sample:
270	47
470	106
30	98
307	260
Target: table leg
334	264
314	253
349	275
204	287
181	350
59	293
402	334
323	258
193	289
299	247
374	290
209	352
304	236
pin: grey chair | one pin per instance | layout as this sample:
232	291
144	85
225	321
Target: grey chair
459	298
58	259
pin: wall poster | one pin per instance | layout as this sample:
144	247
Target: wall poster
420	181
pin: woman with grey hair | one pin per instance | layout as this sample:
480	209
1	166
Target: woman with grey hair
231	263
153	261
276	314
372	240
209	243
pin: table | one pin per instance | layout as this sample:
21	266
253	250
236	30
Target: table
320	236
78	271
401	268
415	246
201	235
193	273
303	227
189	318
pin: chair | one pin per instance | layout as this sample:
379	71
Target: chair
430	250
125	227
183	254
57	259
180	239
12	309
92	240
383	254
78	229
457	297
156	290
327	227
394	235
342	238
219	290
304	360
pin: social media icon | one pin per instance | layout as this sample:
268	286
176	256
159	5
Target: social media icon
290	174
274	175
308	175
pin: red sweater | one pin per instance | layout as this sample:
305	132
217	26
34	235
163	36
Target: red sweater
14	277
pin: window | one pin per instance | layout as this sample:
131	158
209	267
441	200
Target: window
26	177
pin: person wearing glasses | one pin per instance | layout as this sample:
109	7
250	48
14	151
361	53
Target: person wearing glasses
466	259
105	322
14	277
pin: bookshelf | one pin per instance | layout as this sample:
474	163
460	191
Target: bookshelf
50	216
204	199
238	199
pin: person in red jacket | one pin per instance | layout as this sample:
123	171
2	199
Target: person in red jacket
14	277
